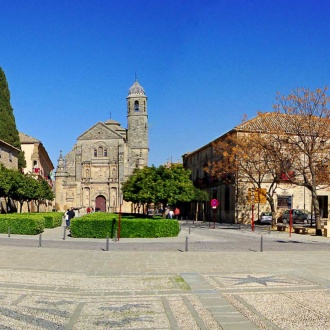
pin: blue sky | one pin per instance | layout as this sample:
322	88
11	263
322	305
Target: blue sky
203	64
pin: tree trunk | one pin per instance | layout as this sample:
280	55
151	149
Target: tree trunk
272	209
197	210
316	207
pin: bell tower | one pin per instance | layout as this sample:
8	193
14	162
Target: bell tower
137	126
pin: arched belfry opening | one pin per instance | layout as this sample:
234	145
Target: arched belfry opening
136	106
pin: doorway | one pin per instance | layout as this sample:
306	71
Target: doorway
100	204
323	203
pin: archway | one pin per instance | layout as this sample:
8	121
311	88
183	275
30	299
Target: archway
100	203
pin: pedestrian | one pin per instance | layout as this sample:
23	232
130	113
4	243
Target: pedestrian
70	215
88	210
170	214
67	218
177	213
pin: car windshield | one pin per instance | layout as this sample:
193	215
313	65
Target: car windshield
266	213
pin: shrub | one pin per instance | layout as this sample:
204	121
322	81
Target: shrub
53	219
91	227
22	223
101	225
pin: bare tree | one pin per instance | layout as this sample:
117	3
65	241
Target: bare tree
243	156
303	140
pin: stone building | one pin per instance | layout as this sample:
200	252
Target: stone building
8	155
92	173
9	159
38	165
234	205
37	159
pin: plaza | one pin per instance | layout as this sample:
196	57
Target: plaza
205	278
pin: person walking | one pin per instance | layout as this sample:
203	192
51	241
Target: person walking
67	218
69	215
170	214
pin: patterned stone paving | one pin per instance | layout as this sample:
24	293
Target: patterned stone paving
276	301
51	300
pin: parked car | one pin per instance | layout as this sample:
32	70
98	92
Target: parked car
298	216
265	218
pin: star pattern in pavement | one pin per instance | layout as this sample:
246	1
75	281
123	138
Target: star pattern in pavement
262	280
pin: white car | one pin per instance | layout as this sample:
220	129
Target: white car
266	218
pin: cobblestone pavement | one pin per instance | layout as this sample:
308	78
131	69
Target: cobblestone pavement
223	281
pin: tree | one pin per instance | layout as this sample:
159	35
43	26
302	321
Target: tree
304	141
165	185
8	129
140	187
5	185
173	185
244	160
22	188
43	193
200	196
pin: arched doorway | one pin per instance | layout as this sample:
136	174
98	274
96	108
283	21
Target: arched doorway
100	203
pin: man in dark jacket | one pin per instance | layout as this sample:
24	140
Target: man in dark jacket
70	215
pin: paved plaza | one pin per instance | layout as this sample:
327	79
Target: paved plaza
222	278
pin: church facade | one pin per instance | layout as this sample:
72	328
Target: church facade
92	173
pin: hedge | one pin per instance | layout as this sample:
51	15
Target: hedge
101	225
53	219
22	223
29	223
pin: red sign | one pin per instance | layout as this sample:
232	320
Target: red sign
214	203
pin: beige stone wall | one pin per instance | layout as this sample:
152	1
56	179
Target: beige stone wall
8	156
103	158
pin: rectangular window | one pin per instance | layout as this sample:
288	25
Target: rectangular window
283	202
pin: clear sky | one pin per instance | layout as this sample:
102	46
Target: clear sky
203	64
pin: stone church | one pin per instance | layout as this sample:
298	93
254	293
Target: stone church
92	173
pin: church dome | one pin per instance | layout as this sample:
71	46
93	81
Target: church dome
136	88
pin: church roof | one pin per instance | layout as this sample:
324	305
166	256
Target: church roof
24	138
111	122
136	88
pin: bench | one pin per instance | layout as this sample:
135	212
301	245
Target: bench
281	227
300	230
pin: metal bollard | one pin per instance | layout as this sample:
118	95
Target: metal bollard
261	244
107	244
189	230
115	236
269	230
186	249
8	231
40	240
239	226
64	233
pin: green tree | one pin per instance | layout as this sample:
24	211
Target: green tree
8	129
43	193
200	197
173	185
165	185
21	186
140	187
5	184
